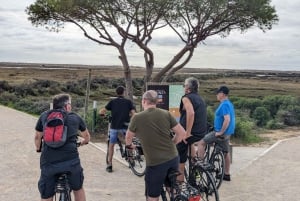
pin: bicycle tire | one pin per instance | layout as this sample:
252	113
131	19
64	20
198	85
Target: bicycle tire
204	183
65	196
218	162
137	162
63	189
107	149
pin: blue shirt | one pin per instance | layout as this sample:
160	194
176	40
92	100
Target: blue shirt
225	108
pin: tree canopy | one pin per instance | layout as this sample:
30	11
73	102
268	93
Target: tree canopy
119	22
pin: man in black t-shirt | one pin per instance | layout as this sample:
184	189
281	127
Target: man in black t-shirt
121	111
64	158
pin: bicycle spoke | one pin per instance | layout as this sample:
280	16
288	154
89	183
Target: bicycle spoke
205	183
137	163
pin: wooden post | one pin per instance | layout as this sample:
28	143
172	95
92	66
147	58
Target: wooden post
87	94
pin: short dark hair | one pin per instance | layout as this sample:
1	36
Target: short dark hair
223	89
60	101
192	84
120	90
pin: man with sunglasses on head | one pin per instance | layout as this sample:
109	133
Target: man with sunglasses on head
193	118
54	161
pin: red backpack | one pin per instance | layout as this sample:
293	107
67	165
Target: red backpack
55	130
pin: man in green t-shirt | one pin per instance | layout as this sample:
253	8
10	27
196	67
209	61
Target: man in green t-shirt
152	126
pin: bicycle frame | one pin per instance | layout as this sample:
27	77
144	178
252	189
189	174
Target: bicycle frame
62	188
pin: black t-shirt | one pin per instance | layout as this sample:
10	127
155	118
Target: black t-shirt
120	108
200	117
69	150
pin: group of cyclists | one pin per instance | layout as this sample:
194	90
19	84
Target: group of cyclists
152	126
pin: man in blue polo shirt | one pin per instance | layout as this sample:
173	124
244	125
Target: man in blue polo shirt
224	125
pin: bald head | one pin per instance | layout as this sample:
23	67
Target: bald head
151	97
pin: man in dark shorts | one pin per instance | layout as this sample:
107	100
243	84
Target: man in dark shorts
121	111
193	118
224	125
62	159
152	126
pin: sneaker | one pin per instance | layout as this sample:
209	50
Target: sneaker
109	168
226	177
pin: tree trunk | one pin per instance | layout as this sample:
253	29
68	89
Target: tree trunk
127	73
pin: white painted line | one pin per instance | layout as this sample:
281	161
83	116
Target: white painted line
104	151
264	152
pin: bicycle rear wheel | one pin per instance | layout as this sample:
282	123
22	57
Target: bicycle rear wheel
204	183
137	161
65	196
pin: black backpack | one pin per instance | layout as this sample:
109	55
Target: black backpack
54	129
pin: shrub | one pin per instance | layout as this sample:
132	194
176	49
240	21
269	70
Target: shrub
24	90
4	86
273	103
274	124
210	115
261	116
244	131
7	98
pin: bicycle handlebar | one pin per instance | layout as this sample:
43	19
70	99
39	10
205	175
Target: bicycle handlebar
78	144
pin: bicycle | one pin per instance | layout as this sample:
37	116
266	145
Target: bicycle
62	186
178	191
135	157
198	175
215	157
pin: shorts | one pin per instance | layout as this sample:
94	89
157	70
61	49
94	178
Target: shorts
156	176
113	135
183	148
49	173
223	140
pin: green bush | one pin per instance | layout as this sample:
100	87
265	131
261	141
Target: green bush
210	115
7	98
261	116
246	104
4	86
273	103
274	124
289	117
244	131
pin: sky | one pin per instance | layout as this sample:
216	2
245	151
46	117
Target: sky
276	49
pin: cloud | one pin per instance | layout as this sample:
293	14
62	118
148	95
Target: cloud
22	42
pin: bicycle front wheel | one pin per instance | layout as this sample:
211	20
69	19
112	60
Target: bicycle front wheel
137	162
218	162
204	183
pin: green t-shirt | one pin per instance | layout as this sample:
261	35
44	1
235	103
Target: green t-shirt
152	127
